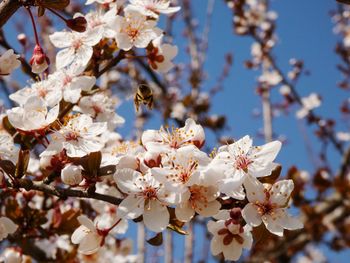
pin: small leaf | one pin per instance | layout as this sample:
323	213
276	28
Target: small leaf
177	229
8	167
22	164
175	224
41	11
156	241
68	222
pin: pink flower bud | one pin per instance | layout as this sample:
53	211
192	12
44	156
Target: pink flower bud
39	60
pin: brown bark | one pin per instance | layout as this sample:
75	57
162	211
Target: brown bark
7	9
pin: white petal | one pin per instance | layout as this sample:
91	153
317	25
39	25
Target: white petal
131	207
280	192
291	223
61	39
83	54
272	224
64	57
156	216
208	209
90	244
79	234
184	212
85	221
255	190
8	224
233	251
126	178
251	215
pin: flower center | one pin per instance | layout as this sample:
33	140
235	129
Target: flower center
149	193
265	208
242	163
72	136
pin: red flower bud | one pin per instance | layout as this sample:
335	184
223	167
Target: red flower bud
78	24
39	60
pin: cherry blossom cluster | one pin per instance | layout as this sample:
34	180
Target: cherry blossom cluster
163	177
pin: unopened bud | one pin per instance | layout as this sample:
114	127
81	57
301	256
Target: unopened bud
39	60
22	38
152	159
78	24
71	175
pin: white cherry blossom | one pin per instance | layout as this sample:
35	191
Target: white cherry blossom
103	22
135	30
101	108
237	160
89	237
79	137
71	82
152	8
202	200
165	140
33	116
8	62
146	197
268	204
44	89
77	47
308	103
181	168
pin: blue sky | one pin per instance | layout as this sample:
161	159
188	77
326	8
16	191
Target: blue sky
304	29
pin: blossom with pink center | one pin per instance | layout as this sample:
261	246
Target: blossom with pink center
101	108
78	137
201	200
77	47
33	116
235	161
145	196
44	89
165	140
90	236
181	169
268	204
134	30
71	82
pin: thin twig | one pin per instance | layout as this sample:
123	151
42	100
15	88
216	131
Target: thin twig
28	185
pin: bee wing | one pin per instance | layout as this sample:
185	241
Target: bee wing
54	4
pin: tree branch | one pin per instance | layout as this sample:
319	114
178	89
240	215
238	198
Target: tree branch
7	9
28	185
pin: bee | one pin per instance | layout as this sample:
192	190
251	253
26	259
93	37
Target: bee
344	1
144	95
